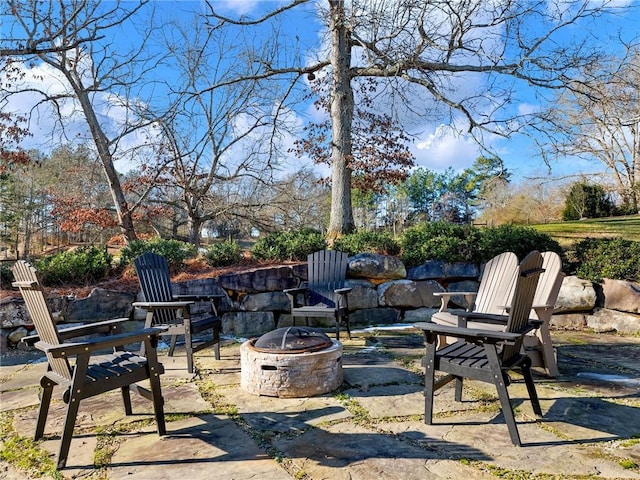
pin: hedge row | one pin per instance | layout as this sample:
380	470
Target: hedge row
594	258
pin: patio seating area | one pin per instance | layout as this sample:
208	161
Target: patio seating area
372	428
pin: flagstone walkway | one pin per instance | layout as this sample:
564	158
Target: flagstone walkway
372	429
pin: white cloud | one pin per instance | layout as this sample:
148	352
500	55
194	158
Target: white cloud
443	147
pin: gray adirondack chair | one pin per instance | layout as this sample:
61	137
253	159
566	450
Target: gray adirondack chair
89	376
486	355
173	312
324	295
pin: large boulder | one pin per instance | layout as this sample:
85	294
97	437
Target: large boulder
576	295
606	320
569	321
259	280
363	294
621	295
440	270
423	314
374	316
376	266
100	305
271	301
247	324
409	294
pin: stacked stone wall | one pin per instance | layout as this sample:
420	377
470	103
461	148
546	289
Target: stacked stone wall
383	292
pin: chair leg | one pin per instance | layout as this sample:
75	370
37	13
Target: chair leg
531	386
548	352
503	394
156	390
458	389
73	403
345	319
47	391
172	345
67	434
188	343
126	400
216	346
429	381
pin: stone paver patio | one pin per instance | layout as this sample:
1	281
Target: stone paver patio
372	429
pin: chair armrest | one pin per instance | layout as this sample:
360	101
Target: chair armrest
494	319
103	343
198	298
297	296
473	335
295	291
157	305
445	297
82	330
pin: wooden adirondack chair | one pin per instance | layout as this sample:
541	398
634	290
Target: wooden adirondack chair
538	344
494	293
486	355
173	312
89	376
324	295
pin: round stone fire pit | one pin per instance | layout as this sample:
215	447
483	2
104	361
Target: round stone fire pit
291	362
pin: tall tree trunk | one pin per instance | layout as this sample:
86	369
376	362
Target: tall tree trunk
341	218
194	224
123	212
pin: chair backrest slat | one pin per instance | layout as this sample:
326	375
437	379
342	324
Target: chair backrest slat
327	270
497	284
155	284
550	281
35	299
529	273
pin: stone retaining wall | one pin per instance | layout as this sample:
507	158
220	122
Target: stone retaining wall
384	292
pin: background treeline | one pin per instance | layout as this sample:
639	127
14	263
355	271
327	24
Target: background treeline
60	200
592	259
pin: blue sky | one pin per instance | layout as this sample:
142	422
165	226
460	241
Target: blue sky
435	147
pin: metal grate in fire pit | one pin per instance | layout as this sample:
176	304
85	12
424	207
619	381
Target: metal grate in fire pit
292	340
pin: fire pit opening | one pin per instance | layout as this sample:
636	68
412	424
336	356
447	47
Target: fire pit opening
292	340
291	362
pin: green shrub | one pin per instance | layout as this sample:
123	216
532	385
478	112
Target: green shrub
6	275
174	251
514	238
372	242
614	258
224	253
82	266
290	245
439	241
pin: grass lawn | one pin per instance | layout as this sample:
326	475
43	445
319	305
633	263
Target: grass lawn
627	227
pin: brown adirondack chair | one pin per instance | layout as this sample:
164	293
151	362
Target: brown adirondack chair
486	355
324	294
90	376
173	312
